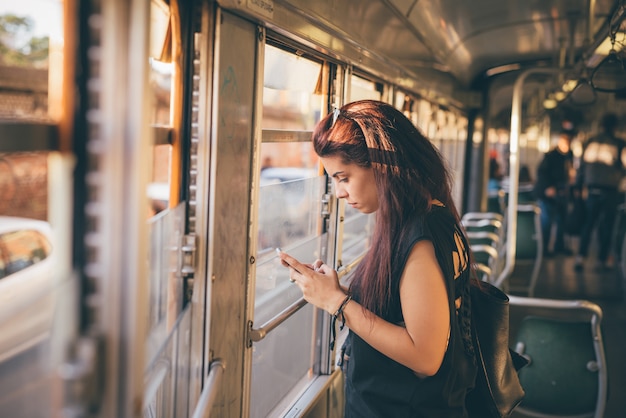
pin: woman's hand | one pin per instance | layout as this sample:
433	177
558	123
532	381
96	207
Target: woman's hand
319	283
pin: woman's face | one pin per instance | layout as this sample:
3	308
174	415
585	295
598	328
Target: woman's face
354	183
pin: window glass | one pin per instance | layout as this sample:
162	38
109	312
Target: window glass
357	230
408	105
459	165
166	219
357	226
424	113
31	41
292	98
289	217
160	89
290	185
31	88
398	100
361	89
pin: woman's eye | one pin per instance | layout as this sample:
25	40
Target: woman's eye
343	180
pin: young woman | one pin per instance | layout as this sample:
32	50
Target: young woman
408	302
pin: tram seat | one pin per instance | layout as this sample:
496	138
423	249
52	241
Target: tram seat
485	224
483	237
484	221
529	243
484	272
525	194
567	372
622	261
495	202
485	248
619	237
487	256
477	216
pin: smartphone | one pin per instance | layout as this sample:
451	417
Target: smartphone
286	264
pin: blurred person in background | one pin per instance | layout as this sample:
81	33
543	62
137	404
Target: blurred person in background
602	167
555	174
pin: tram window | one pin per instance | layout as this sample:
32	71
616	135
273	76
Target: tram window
32	108
424	113
167	216
407	105
361	89
357	226
289	185
357	230
31	62
161	91
289	216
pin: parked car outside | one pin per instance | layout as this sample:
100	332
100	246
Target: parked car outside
26	283
285	206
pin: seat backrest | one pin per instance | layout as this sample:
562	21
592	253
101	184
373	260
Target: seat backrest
495	202
528	238
485	258
562	339
525	194
484	238
485	225
484	254
477	216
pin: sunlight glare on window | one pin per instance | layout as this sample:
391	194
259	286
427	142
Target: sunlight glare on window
31	65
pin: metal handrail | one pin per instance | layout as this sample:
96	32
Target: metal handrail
516	119
156	380
257	334
207	397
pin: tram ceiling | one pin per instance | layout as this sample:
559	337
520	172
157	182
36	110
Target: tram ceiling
471	37
489	43
479	41
450	46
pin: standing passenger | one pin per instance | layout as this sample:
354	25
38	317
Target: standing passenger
601	170
407	306
495	173
554	176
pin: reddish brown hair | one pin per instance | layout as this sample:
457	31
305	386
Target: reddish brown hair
409	173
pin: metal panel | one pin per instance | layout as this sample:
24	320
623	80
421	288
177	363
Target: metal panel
230	179
199	198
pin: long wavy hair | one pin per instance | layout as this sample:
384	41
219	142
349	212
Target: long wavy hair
409	173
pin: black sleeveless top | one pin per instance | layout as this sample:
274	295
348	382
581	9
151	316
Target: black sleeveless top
377	386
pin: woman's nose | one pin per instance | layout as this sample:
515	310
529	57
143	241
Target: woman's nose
340	192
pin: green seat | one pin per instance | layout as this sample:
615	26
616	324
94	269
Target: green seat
484	238
484	254
495	202
529	242
567	374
